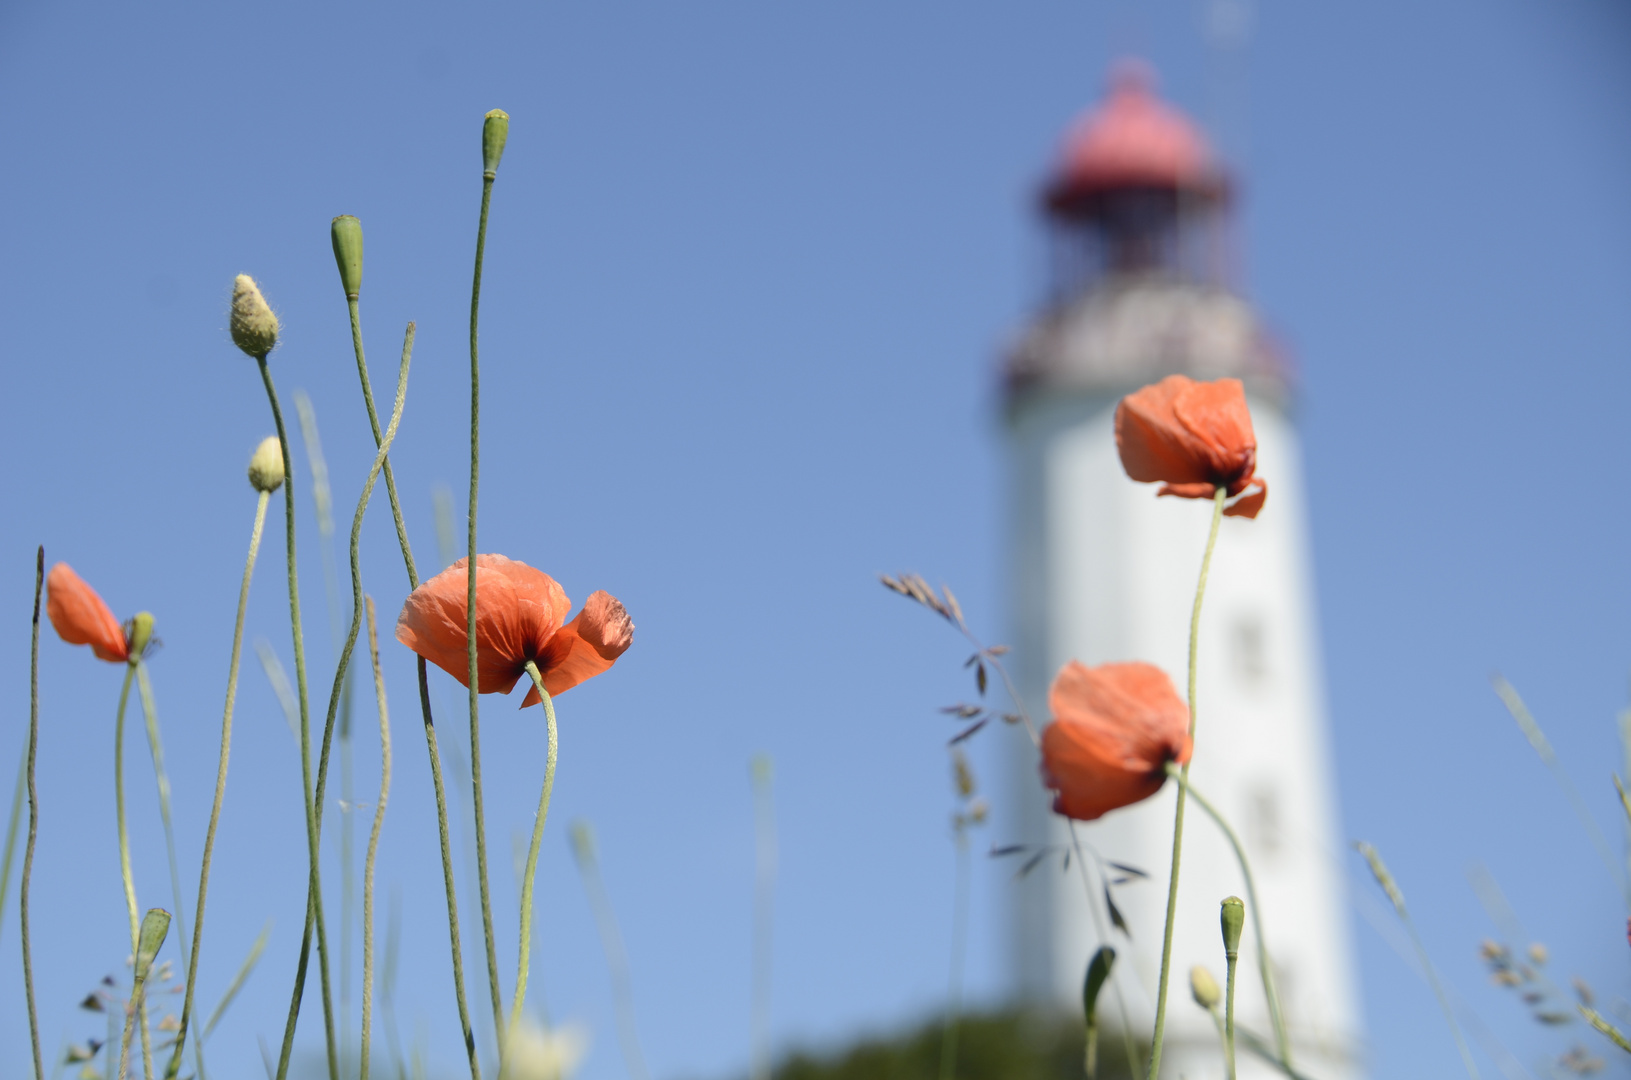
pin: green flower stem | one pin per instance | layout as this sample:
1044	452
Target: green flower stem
33	812
1230	960
1183	790
174	1067
447	872
373	422
1282	1038
532	851
470	626
373	840
125	875
314	890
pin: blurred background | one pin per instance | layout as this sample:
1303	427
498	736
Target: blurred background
749	272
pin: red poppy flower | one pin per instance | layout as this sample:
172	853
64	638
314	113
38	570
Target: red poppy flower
520	616
1114	729
1193	437
81	618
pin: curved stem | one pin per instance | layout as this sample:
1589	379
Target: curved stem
174	1067
1282	1038
1230	960
1178	819
1127	1045
470	627
373	842
532	851
447	872
314	888
373	422
33	812
125	875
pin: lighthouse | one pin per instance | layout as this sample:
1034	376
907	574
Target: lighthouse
1137	212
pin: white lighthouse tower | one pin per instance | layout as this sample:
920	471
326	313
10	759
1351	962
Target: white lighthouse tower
1103	570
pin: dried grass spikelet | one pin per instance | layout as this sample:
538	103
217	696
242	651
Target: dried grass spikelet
254	324
266	467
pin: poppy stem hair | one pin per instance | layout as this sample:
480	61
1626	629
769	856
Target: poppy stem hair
489	134
33	809
1218	498
373	842
1282	1040
532	851
314	888
155	744
174	1067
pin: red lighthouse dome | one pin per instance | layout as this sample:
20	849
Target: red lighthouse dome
1131	141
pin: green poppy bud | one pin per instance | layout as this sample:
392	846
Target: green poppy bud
494	131
139	634
155	924
1233	918
254	325
266	467
1204	988
345	232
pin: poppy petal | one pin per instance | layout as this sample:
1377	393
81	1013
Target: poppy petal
1250	504
585	647
518	608
1216	414
81	618
1189	491
1153	443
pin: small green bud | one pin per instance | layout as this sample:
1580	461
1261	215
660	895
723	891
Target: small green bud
139	634
1233	918
494	131
155	924
266	467
1098	973
254	325
1204	988
345	232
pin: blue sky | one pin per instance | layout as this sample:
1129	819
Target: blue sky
748	272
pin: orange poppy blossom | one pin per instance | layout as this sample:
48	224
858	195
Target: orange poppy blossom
81	618
520	616
1115	727
1193	437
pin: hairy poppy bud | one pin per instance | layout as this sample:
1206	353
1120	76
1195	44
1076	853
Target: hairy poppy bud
494	131
266	467
1204	988
345	232
139	632
254	325
1233	917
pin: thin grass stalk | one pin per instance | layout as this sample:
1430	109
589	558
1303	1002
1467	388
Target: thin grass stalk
373	843
611	940
174	1067
33	814
314	889
237	982
1282	1037
387	981
155	746
12	823
323	504
127	880
1127	1045
523	964
1178	819
1384	878
470	624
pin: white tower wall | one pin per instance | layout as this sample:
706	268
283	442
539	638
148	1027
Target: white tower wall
1103	571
